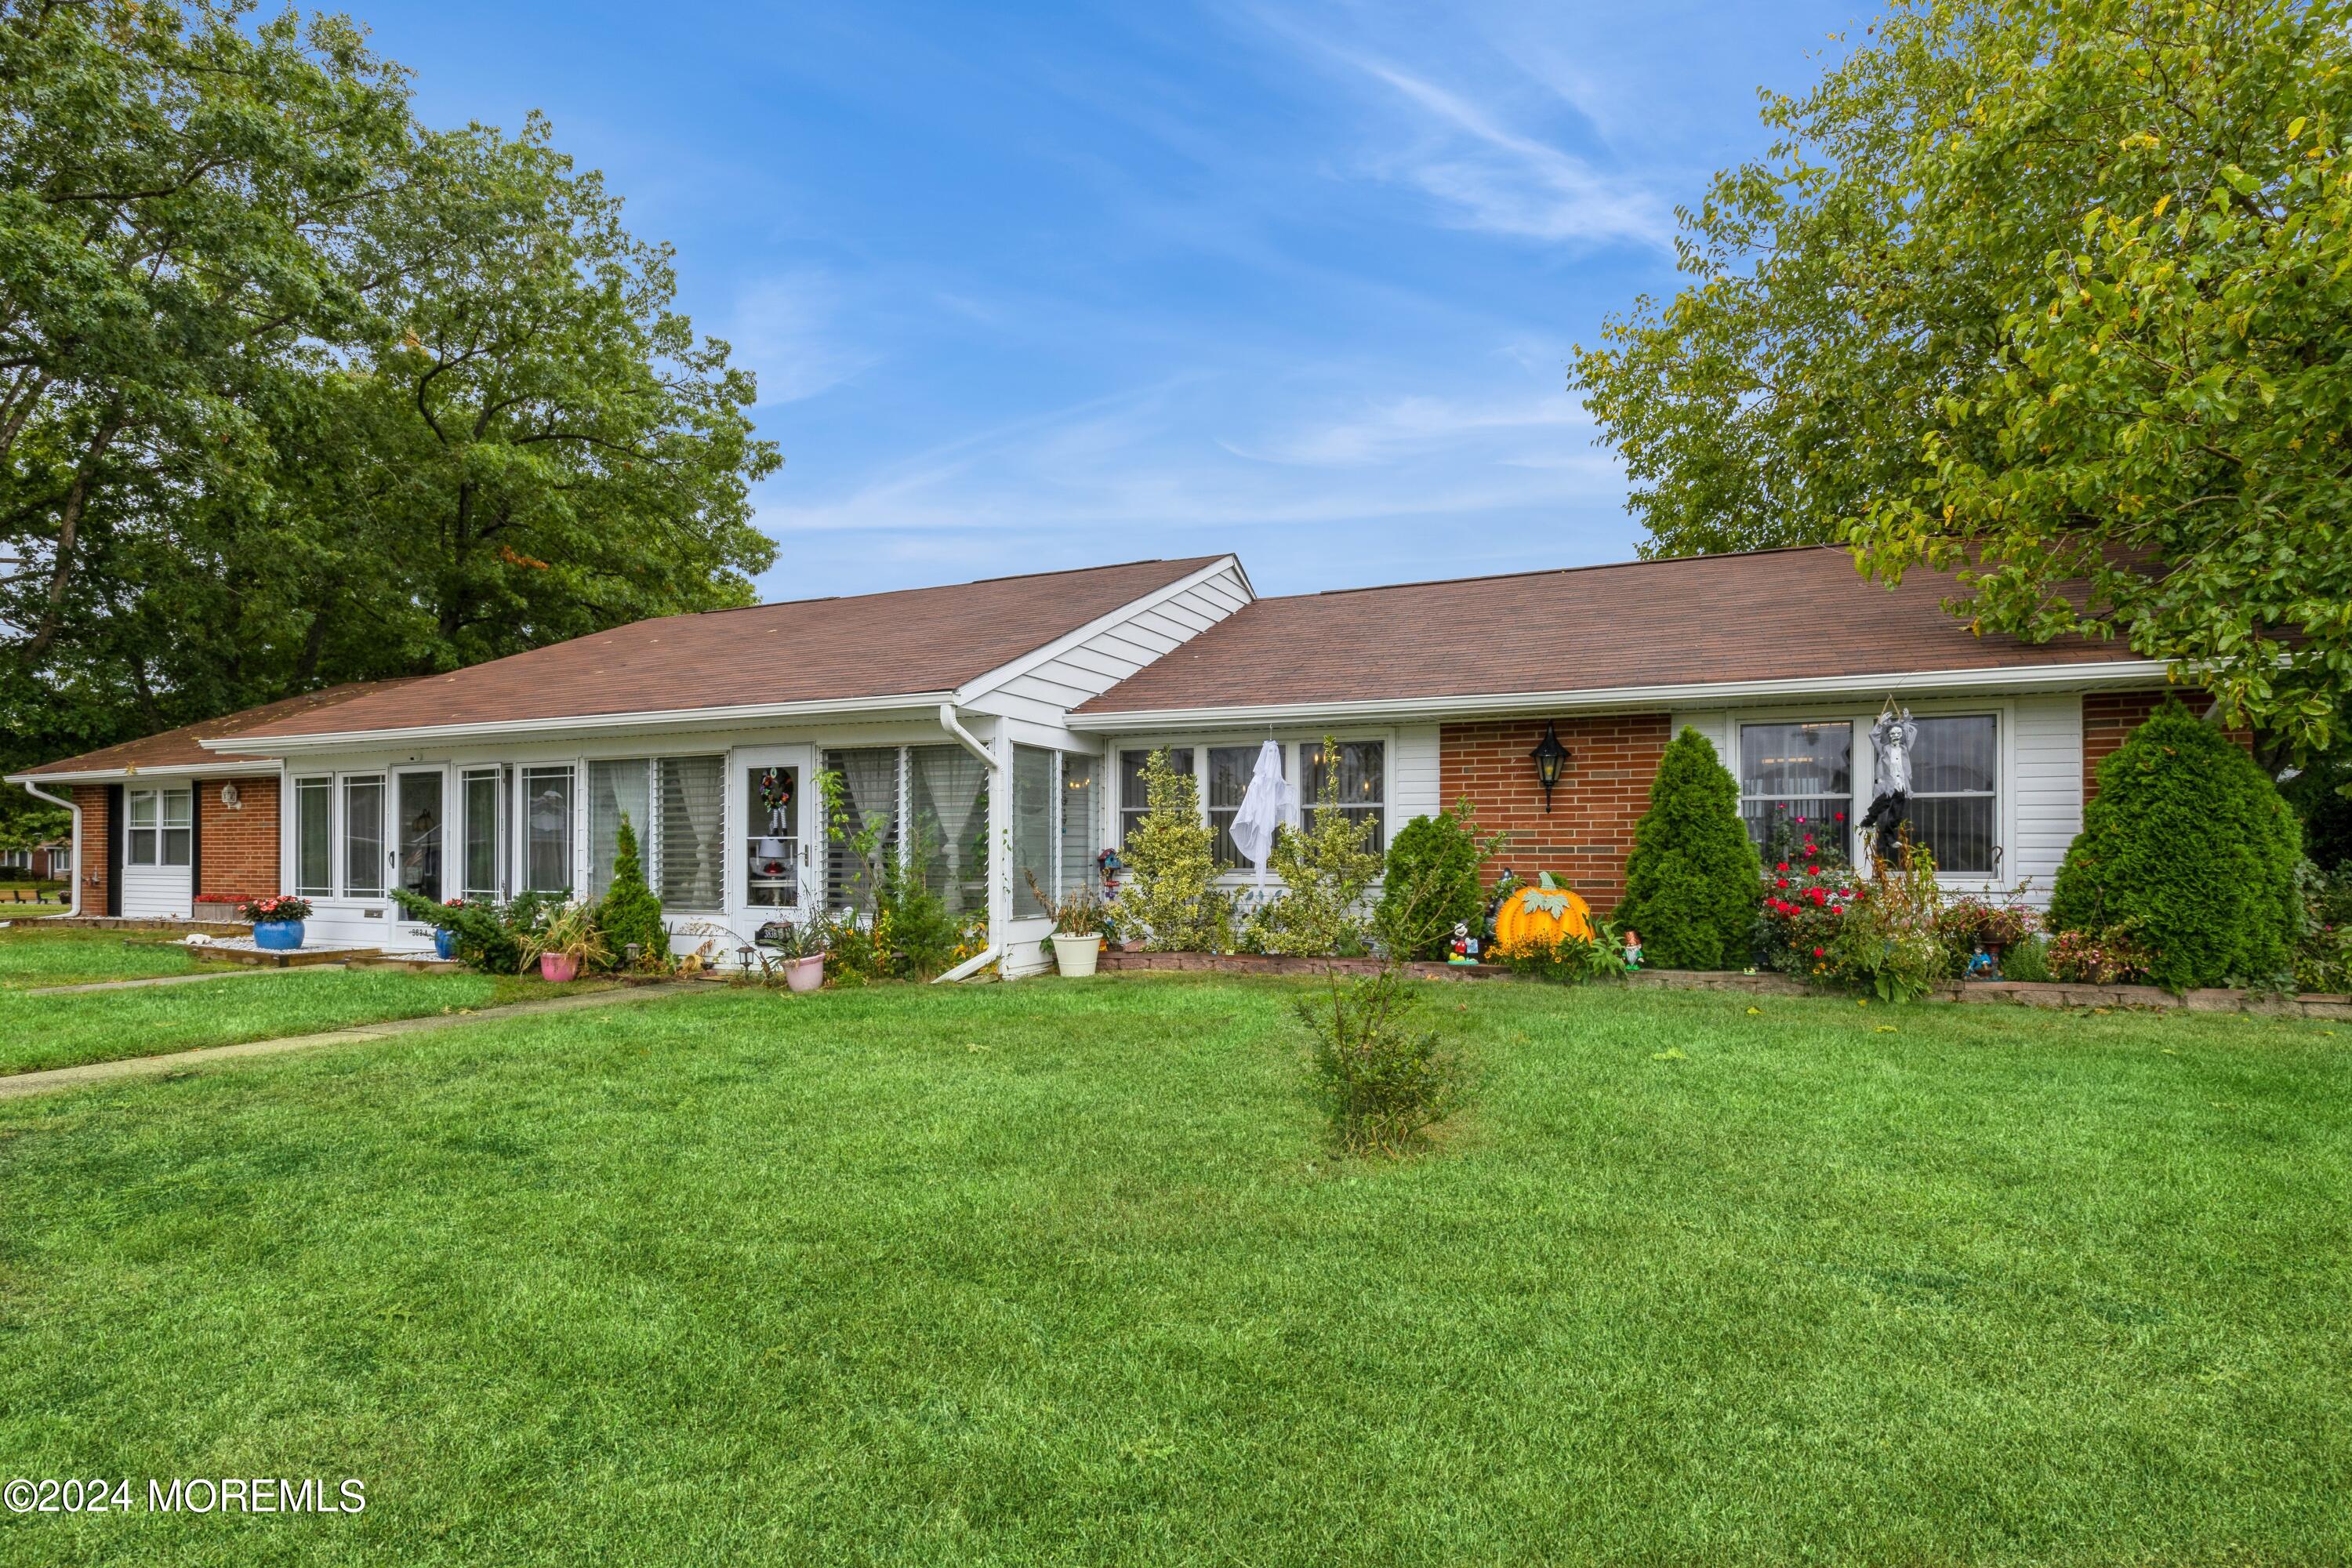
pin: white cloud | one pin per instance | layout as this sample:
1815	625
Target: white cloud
786	329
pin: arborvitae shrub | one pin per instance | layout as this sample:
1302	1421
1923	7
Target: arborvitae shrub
630	912
1692	881
1430	884
2191	845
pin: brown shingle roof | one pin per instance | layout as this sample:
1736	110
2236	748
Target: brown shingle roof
1767	616
906	642
180	747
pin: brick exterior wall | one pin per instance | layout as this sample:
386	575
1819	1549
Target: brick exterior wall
240	842
91	798
1601	793
2109	716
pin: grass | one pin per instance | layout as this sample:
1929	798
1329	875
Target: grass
1061	1272
38	1032
38	955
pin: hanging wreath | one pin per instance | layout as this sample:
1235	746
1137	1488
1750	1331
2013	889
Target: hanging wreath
775	789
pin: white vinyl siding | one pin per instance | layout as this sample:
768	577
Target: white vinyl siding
1045	693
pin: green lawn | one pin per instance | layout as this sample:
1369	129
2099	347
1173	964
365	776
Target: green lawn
38	1031
1061	1272
69	955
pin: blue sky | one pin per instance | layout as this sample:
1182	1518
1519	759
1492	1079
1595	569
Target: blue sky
1033	287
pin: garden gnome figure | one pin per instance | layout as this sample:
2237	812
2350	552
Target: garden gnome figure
1632	941
1892	739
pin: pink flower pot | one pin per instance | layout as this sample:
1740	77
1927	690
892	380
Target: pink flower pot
804	974
558	967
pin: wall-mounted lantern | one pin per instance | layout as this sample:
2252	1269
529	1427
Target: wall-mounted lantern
1552	759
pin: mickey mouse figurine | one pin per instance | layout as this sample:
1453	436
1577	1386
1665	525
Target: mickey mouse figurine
1463	948
1632	939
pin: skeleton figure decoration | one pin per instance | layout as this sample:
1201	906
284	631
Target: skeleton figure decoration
1892	739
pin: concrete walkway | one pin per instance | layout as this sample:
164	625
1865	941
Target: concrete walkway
20	1085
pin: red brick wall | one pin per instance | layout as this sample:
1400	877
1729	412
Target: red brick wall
240	842
2109	716
1601	793
91	798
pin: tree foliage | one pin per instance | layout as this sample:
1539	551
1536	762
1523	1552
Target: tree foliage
2188	851
294	390
1691	883
1171	866
2056	296
1431	882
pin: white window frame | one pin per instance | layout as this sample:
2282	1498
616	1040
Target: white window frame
2004	810
294	836
1293	741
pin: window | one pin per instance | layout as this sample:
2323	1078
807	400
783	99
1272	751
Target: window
1363	772
691	812
771	814
314	837
420	840
546	830
363	853
870	795
1033	828
1230	768
1955	779
617	790
950	800
1133	802
1792	771
143	842
481	876
1078	846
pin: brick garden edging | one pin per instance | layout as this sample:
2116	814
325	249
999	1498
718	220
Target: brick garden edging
2015	993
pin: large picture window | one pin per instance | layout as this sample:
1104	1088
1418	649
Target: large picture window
1078	825
1955	787
546	830
870	787
1801	770
1033	828
480	875
1230	768
950	796
363	850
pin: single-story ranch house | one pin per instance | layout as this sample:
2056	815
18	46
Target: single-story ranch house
1008	720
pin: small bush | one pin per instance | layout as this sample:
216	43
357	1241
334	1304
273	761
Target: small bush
1890	941
1384	1076
1571	960
915	935
1690	883
1429	884
629	915
1807	889
490	937
1326	871
2029	959
2110	957
2192	846
2323	947
1170	866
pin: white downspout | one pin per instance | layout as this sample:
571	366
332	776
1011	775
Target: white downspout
73	910
952	723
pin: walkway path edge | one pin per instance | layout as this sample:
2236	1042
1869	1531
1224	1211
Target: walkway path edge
22	1085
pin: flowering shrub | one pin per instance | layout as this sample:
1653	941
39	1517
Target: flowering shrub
2096	958
2323	947
1969	923
274	907
1807	889
1570	961
1891	941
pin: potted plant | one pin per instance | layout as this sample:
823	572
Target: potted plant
278	921
445	932
799	950
566	942
1079	918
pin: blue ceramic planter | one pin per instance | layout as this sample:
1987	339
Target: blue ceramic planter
445	943
277	936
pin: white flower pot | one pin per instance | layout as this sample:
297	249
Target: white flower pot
1075	955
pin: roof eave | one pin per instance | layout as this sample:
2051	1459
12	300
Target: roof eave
243	768
2058	677
643	719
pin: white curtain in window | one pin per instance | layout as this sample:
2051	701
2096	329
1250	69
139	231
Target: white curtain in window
953	785
870	776
616	790
692	805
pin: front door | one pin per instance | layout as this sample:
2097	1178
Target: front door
776	821
419	841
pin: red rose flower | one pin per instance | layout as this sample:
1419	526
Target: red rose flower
1781	883
1820	952
1781	867
1812	871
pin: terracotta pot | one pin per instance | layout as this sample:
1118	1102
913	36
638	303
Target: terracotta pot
804	974
1076	955
558	967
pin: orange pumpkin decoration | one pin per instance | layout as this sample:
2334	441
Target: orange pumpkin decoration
1540	915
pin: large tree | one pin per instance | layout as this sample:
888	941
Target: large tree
304	392
2053	294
